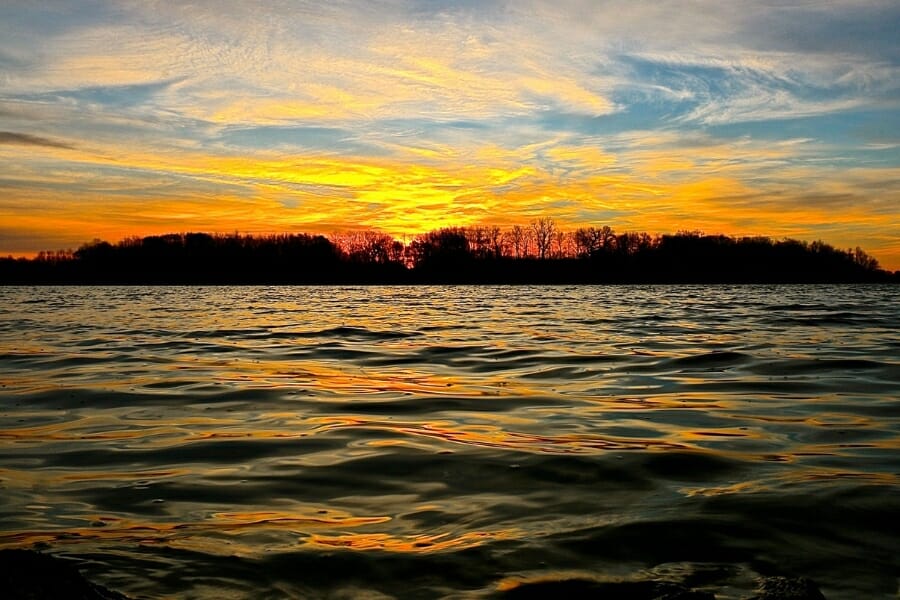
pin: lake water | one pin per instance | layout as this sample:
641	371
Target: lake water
425	442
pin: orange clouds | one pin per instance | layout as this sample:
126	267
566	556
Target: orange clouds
112	192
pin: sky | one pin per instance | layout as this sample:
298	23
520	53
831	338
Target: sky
738	117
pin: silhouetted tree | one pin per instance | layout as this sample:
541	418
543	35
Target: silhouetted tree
444	248
495	239
479	241
543	230
517	241
588	241
864	260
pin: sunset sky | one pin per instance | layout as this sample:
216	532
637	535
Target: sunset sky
143	117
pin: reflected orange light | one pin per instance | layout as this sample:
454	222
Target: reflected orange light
508	584
492	436
414	543
193	533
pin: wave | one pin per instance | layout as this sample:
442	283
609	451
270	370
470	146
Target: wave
453	441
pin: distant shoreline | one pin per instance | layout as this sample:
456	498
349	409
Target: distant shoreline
463	256
455	283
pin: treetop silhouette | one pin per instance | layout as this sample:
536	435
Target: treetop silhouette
538	253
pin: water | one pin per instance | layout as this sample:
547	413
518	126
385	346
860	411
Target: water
424	442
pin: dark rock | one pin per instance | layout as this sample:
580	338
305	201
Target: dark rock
600	590
28	575
785	588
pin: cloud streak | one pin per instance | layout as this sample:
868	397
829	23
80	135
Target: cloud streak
24	139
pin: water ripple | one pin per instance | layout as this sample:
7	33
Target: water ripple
452	441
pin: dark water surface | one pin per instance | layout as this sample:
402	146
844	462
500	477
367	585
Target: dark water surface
424	442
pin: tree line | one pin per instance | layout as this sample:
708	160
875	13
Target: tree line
540	252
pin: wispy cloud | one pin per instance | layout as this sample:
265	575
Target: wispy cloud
24	139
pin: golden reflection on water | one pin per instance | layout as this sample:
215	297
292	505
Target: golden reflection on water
792	478
197	533
119	475
742	487
248	421
223	533
422	543
492	436
508	584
